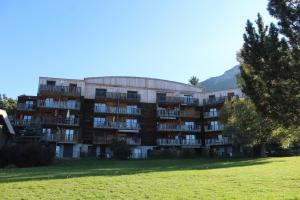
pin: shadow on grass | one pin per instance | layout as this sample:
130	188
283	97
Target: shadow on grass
85	168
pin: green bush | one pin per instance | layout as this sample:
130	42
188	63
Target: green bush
121	150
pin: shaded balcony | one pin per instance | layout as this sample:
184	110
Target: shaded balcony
109	139
60	90
178	142
26	107
118	96
210	128
207	115
217	141
177	100
63	137
117	125
117	110
67	121
179	128
58	105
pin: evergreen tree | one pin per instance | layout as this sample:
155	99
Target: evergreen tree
270	73
194	81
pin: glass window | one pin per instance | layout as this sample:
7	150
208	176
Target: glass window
100	107
71	103
27	117
98	121
100	92
131	122
188	99
49	102
131	108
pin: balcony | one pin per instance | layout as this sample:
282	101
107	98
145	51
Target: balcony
67	121
217	100
207	115
216	141
219	127
118	96
170	114
26	107
109	139
177	100
117	126
63	138
58	105
23	122
179	128
117	110
60	90
187	114
178	142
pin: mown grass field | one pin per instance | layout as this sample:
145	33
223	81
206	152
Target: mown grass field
267	178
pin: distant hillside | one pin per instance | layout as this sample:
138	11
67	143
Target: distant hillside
223	82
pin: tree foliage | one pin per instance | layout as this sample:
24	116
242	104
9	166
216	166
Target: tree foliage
245	126
8	104
121	150
194	81
270	64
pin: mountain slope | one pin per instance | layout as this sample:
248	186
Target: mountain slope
223	82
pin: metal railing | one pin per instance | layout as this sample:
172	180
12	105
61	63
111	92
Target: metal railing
182	127
109	139
58	105
117	110
61	121
118	95
68	138
216	141
168	113
26	107
209	128
178	100
23	122
210	114
62	90
117	125
177	142
217	100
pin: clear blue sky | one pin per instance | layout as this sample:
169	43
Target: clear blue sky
165	39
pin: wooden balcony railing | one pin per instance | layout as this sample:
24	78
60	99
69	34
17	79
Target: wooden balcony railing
209	128
60	90
59	105
117	110
176	128
118	95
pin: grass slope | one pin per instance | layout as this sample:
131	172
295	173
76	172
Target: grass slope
268	178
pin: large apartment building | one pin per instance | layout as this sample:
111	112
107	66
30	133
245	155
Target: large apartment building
84	116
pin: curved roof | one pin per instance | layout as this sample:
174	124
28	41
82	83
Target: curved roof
141	82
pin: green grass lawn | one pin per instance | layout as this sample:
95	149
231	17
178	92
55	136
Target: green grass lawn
267	178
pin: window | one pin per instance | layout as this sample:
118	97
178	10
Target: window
100	107
190	124
28	104
161	96
131	122
46	131
213	112
27	117
131	109
100	92
98	121
69	134
71	103
187	99
49	102
132	94
51	83
214	125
